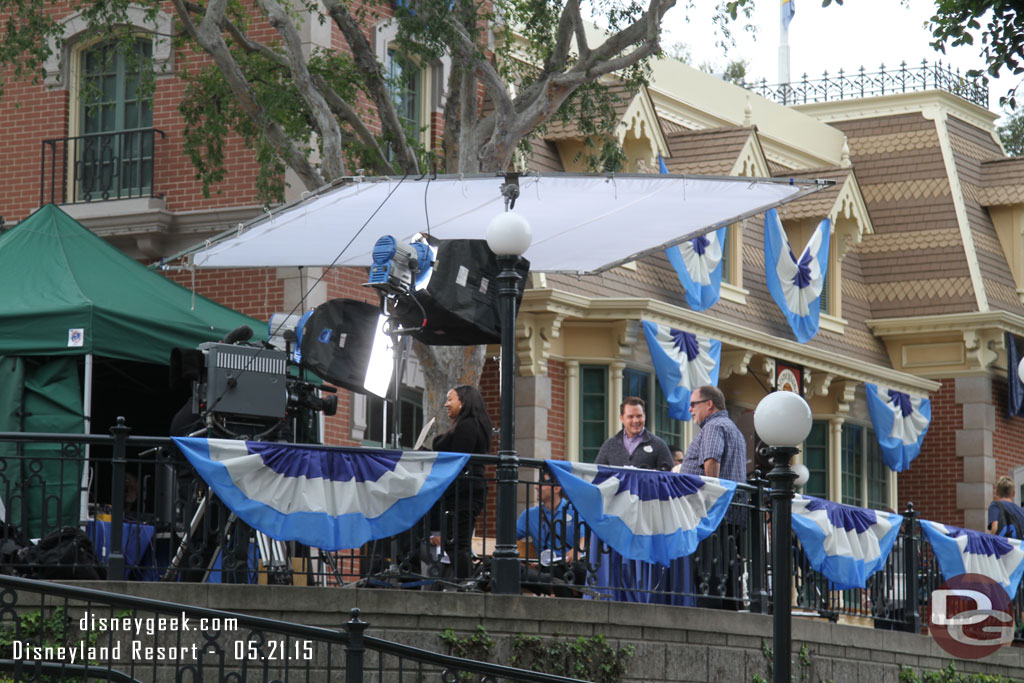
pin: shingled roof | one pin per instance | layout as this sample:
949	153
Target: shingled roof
712	151
817	205
570	130
915	262
1002	182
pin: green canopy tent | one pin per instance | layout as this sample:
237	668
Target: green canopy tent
69	297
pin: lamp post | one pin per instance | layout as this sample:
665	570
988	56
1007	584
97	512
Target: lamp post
782	420
508	236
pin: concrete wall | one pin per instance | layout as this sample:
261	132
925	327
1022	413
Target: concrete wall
672	643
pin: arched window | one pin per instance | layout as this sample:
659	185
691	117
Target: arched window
114	151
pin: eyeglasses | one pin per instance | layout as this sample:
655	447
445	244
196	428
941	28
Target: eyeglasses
699	400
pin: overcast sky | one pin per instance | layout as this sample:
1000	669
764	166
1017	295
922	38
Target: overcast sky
859	33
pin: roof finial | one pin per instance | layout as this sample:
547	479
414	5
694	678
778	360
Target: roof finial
844	158
748	113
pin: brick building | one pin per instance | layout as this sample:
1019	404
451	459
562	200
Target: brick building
924	279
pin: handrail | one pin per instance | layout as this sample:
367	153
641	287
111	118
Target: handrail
449	662
862	83
98	166
16	666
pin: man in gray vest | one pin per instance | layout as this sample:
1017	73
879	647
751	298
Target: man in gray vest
634	445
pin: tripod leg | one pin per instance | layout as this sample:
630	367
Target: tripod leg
228	529
197	518
276	558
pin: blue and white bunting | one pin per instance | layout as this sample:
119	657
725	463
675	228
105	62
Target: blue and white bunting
682	362
796	284
900	423
963	551
330	498
646	515
698	263
1014	387
846	544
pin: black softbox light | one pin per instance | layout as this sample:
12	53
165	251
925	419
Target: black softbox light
337	340
461	297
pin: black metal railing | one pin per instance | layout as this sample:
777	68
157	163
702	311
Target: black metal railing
98	167
861	83
142	500
55	629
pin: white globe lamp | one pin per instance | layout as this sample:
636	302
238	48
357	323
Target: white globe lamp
782	418
509	234
802	474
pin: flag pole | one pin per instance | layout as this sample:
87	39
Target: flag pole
785	15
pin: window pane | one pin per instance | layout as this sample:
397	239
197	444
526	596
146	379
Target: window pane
726	263
411	419
664	426
878	478
592	380
852	457
816	460
593	410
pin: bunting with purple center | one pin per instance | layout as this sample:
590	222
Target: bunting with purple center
846	544
900	422
965	551
796	284
698	263
646	515
682	362
330	498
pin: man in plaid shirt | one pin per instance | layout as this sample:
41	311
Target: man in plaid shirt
719	450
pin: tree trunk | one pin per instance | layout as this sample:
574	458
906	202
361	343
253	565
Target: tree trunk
444	368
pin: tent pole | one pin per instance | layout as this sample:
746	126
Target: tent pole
83	494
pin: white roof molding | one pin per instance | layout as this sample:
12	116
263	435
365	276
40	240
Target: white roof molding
849	216
696	100
641	118
901	103
751	161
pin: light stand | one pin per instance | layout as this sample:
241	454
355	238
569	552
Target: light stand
782	420
508	236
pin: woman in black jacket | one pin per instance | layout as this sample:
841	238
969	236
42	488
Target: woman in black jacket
470	432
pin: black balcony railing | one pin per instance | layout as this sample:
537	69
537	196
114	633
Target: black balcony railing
861	83
98	167
143	499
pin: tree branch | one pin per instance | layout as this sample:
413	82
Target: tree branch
338	106
376	87
208	36
333	160
567	23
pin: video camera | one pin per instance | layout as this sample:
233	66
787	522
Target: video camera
243	389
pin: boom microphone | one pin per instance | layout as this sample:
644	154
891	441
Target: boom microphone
239	334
